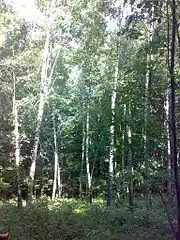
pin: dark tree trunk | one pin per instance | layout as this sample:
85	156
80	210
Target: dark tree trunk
173	124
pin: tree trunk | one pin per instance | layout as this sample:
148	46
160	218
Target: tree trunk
89	182
112	141
168	152
173	123
35	149
55	160
82	160
146	112
130	162
59	181
123	153
17	145
45	83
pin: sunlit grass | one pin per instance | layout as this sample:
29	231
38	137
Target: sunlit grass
74	219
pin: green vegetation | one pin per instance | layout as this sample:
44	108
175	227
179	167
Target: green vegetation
71	219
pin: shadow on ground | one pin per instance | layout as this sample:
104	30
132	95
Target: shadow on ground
75	220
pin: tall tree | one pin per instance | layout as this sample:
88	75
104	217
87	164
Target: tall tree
112	142
146	107
44	90
82	160
57	175
87	142
130	156
17	142
173	118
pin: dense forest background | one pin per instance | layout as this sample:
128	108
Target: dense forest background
89	111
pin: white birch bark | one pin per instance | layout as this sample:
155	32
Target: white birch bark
130	160
82	160
55	160
112	162
59	184
45	83
89	182
112	140
17	144
167	106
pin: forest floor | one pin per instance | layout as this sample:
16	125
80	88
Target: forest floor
72	219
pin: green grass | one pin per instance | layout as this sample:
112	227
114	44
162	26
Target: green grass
72	219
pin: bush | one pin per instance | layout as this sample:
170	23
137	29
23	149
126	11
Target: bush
72	219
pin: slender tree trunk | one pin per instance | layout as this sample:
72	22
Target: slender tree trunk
123	153
146	113
59	181
82	160
146	155
45	82
130	162
89	182
173	120
123	166
55	160
17	144
112	160
35	149
112	141
168	155
167	110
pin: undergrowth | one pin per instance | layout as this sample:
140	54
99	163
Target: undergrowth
73	220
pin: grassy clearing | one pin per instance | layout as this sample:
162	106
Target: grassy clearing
71	219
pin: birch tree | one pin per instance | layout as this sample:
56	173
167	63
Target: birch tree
149	27
17	142
57	174
168	137
130	157
112	141
87	141
59	182
82	159
44	90
112	151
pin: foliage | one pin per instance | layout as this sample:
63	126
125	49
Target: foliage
71	219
